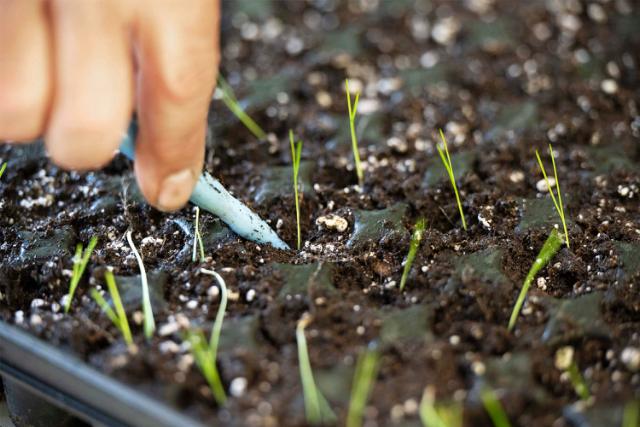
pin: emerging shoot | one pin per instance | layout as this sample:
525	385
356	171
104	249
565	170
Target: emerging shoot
229	98
205	354
631	414
207	364
80	261
438	415
352	126
149	322
494	408
316	407
197	238
117	315
363	379
296	153
416	238
446	161
565	362
549	249
556	198
217	324
2	168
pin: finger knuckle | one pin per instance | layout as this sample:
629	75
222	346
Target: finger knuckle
183	84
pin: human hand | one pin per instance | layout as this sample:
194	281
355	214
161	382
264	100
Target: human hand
74	70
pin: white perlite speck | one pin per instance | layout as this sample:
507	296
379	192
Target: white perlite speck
564	358
516	176
212	293
630	356
542	186
168	328
609	86
333	222
238	386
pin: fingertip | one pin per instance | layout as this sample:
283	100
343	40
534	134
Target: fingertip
175	190
169	192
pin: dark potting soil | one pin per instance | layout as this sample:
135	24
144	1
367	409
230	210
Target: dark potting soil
502	79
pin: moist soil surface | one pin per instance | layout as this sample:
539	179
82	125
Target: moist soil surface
502	79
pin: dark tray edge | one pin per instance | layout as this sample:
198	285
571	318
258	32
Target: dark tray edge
68	382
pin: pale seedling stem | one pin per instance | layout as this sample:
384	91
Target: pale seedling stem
494	408
354	140
117	315
446	161
316	407
363	380
229	98
557	202
80	261
296	153
438	415
416	238
197	239
149	322
206	355
548	250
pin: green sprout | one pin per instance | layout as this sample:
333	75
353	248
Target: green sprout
631	414
149	322
217	324
416	238
354	140
494	408
549	249
446	161
2	168
565	362
296	153
363	379
438	415
316	407
80	261
117	315
205	354
230	100
557	201
197	238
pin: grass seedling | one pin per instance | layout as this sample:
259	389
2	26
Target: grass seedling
80	261
631	414
556	198
205	354
416	238
438	415
149	322
446	161
494	408
566	362
316	407
229	98
2	168
197	239
296	153
217	324
117	315
363	379
206	362
352	126
549	249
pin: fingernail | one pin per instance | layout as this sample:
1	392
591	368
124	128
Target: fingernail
175	190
